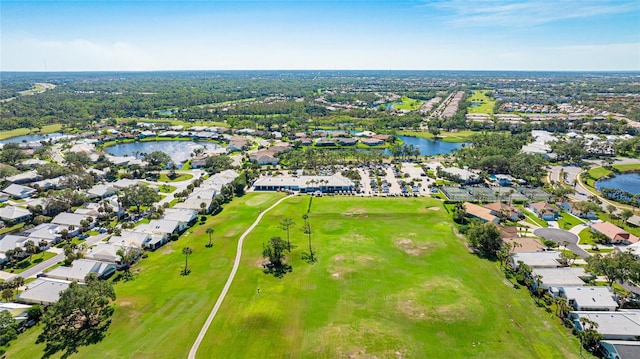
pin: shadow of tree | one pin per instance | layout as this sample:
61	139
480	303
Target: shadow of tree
277	270
71	339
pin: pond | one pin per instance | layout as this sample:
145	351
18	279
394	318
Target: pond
179	151
629	182
31	138
430	147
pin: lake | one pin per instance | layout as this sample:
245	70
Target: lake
179	151
629	182
31	138
430	147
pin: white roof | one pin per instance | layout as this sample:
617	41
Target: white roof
547	259
107	252
464	175
101	190
590	297
28	176
336	180
193	203
180	214
79	270
43	290
69	219
621	323
13	212
18	190
158	226
560	277
47	231
131	238
11	241
123	183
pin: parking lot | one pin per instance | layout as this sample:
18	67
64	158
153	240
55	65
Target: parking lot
386	180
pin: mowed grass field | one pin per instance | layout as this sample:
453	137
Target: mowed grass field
480	97
25	131
392	280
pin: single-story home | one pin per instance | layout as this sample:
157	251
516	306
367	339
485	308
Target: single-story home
560	277
346	141
11	241
47	232
102	191
43	291
621	325
12	214
479	212
264	158
19	312
589	298
80	268
372	141
72	219
503	209
616	234
325	142
620	349
164	227
19	191
542	259
461	175
185	217
544	210
25	177
570	207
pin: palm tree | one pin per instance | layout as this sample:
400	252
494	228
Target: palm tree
187	252
210	232
285	225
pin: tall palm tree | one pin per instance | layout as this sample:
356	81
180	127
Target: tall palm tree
187	252
210	232
286	224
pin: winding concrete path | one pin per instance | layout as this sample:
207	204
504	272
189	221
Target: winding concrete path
236	264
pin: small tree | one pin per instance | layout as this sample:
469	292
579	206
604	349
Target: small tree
274	250
187	252
210	232
285	225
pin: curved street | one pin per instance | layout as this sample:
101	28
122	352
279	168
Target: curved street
559	236
227	285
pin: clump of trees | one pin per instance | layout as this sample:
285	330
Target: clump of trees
274	250
616	267
485	239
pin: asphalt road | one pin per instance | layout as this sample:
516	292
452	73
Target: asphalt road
559	236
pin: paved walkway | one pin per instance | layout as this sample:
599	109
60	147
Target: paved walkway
236	264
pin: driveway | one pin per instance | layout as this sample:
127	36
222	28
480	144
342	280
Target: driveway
559	236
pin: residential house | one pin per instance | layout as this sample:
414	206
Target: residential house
621	325
43	291
25	177
18	191
185	217
72	219
509	235
305	141
543	259
345	141
80	268
570	207
19	312
620	349
51	183
372	141
483	214
132	238
544	210
4	197
560	277
589	298
102	191
12	214
264	158
108	252
163	227
33	162
616	234
11	241
505	210
48	232
325	142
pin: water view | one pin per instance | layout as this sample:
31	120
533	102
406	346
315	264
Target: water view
179	151
430	147
629	182
31	138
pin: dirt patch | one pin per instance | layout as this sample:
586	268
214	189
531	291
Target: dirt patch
412	247
355	211
355	238
434	208
167	251
125	304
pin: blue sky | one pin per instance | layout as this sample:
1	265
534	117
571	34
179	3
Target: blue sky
387	35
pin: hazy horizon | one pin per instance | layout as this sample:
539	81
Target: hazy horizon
447	35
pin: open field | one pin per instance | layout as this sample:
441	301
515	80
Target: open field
386	285
180	177
486	103
408	104
172	122
25	131
458	136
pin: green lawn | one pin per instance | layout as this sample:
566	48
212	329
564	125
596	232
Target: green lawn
408	104
25	131
480	97
9	229
385	283
35	259
586	237
534	220
568	221
181	177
